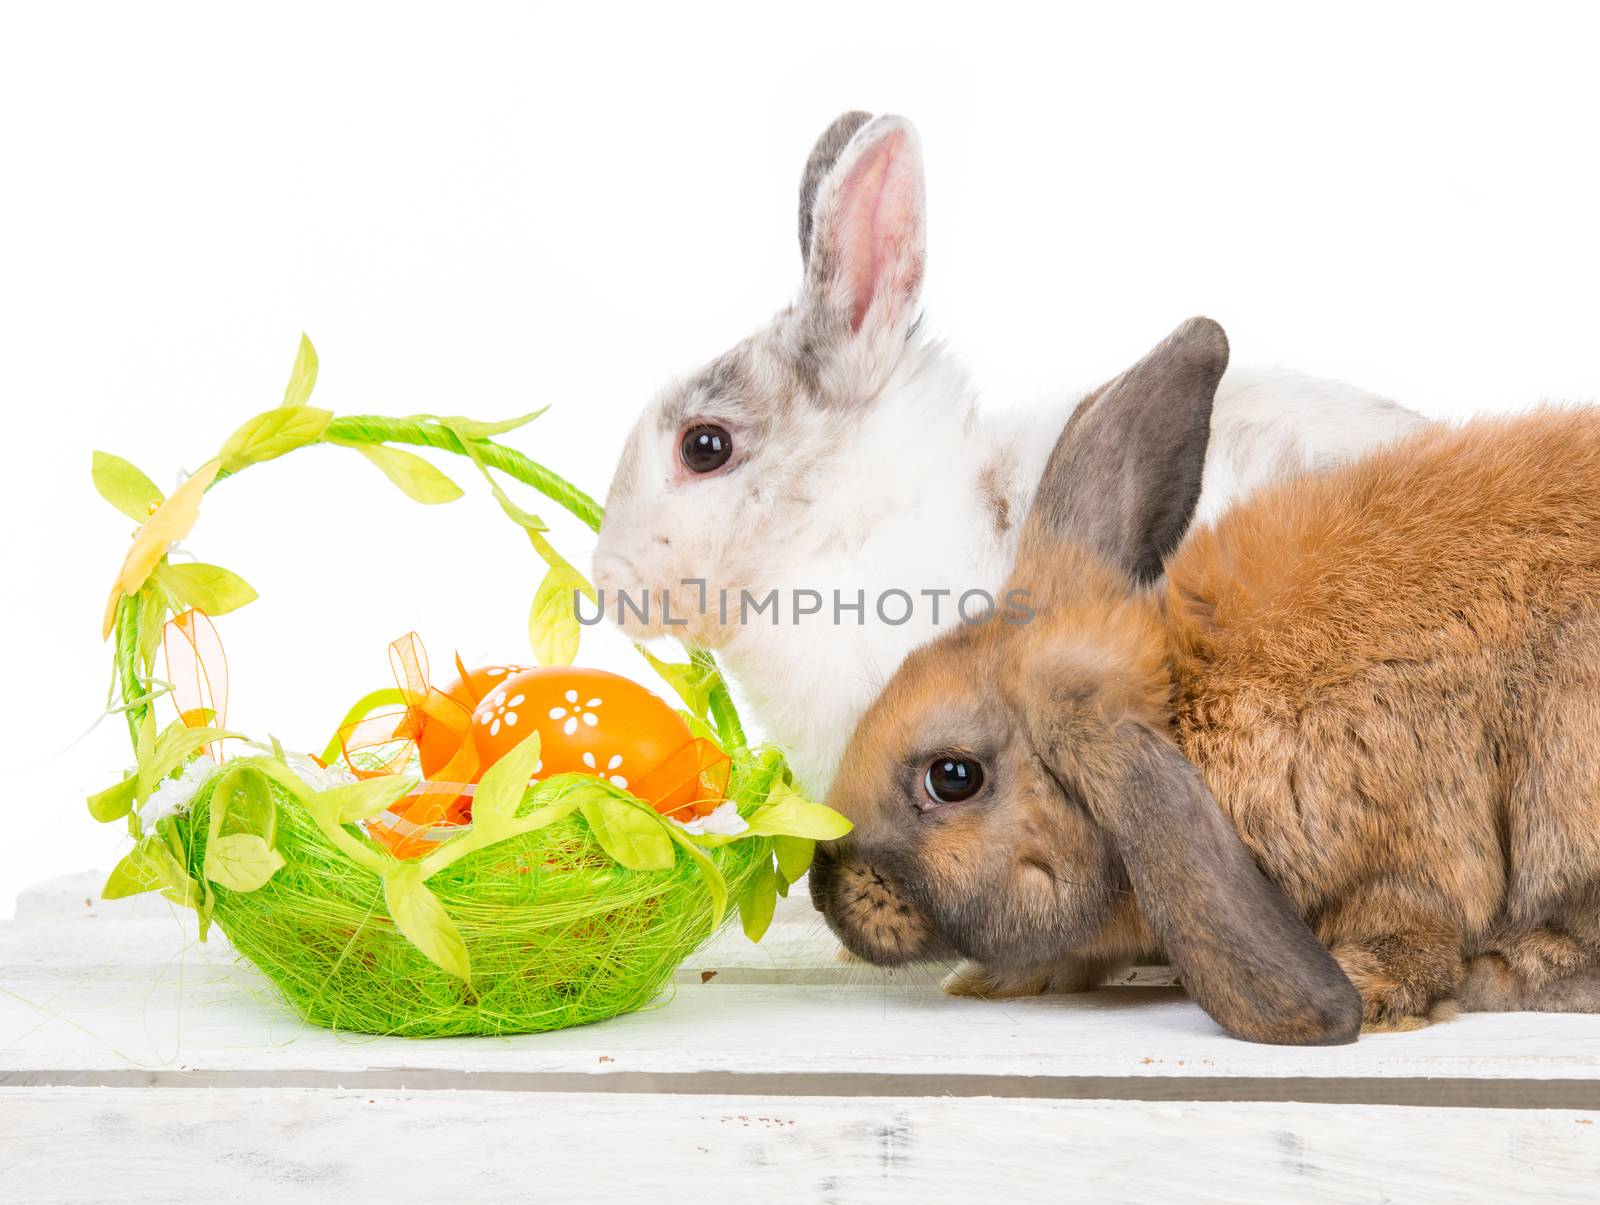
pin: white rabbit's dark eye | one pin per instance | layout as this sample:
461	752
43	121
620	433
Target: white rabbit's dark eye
952	779
706	448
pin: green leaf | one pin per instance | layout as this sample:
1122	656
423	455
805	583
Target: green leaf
137	873
242	796
203	910
418	479
352	846
794	856
758	903
532	523
241	861
153	606
222	793
171	749
692	682
631	833
303	378
419	915
125	487
716	885
210	588
503	785
272	433
185	893
114	803
149	866
788	814
468	428
553	627
363	800
477	837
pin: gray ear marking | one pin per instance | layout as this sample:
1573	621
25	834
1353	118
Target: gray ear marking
823	156
1124	476
1246	956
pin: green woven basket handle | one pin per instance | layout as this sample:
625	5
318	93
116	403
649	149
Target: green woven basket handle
369	429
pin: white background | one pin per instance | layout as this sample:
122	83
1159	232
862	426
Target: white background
477	209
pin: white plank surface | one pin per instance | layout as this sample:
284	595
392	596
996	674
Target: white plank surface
92	995
286	1145
139	1065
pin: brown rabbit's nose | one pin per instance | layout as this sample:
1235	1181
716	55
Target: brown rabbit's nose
866	910
820	877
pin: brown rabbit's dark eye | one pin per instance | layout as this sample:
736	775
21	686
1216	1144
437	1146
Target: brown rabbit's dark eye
706	448
952	779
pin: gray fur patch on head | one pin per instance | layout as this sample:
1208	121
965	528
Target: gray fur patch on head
753	386
811	338
821	160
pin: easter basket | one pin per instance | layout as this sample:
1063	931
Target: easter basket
555	901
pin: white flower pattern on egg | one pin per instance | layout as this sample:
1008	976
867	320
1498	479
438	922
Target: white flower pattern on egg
609	774
500	710
584	712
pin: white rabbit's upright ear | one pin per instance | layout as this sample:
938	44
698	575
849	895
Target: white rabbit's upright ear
862	239
818	164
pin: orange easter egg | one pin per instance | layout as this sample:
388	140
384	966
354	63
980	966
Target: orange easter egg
436	744
589	722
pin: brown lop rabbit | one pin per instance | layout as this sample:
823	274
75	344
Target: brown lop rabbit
1337	756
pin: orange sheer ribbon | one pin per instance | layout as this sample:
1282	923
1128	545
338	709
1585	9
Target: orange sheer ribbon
197	668
383	743
700	763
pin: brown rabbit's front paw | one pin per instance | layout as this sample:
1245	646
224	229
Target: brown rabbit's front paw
972	979
1404	984
1072	975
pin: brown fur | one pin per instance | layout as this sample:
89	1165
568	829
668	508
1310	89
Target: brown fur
1389	678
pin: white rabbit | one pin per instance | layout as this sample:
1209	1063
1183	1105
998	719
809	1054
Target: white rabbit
839	450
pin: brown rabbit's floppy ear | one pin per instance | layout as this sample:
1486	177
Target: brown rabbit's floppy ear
1244	954
818	164
1124	476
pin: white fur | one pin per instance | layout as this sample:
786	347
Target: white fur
890	488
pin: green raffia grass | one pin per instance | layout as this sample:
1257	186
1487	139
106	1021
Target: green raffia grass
558	933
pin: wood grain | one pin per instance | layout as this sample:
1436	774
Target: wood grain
185	1145
128	1001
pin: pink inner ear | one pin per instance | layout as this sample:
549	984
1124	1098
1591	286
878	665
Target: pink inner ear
880	207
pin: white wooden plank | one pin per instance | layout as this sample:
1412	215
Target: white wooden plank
95	995
183	1145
